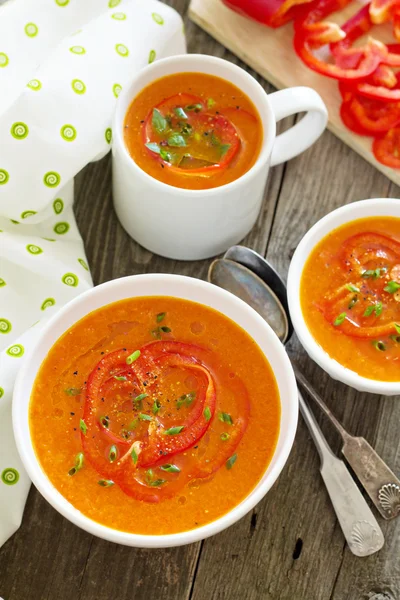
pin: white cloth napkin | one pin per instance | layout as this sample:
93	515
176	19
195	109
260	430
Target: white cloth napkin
62	66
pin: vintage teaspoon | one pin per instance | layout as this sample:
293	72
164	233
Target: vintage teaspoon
381	484
358	524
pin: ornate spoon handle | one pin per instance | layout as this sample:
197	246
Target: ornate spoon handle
358	524
380	483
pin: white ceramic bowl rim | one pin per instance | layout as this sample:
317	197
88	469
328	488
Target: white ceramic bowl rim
116	290
191	63
350	212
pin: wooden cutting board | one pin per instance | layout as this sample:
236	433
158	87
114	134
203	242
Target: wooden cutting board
270	53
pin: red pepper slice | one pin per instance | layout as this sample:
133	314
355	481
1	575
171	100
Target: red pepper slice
373	260
382	11
273	13
209	141
369	117
351	64
386	149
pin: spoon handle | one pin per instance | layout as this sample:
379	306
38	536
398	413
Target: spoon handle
359	526
378	480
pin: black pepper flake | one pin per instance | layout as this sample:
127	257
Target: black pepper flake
142	121
162	166
102	352
124	349
74	428
75	372
195	447
144	383
73	414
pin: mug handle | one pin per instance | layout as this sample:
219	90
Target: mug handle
302	135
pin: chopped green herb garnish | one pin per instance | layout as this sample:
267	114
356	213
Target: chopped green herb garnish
397	327
352	288
133	424
120	378
149	475
144	417
186	399
180	113
210	103
82	426
379	346
160	317
207	413
373	273
73	391
170	468
112	455
157	482
339	319
187	129
353	301
225	418
158	330
105	482
78	464
392	287
165	329
369	310
225	436
224	149
134	456
374	308
176	140
156	407
231	461
138	401
105	422
153	147
169	157
174	430
134	356
158	121
378	309
395	338
193	107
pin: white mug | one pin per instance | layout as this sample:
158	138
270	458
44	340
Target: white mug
195	224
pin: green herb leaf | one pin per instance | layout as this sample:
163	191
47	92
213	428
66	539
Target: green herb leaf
82	426
160	317
167	156
104	422
379	346
339	319
138	401
210	103
397	327
225	418
149	476
165	329
392	287
170	468
153	147
144	417
133	424
180	113
395	338
158	121
176	140
134	456
193	107
369	310
134	356
156	407
174	430
224	149
120	378
352	288
105	482
78	464
73	391
231	461
156	333
207	413
378	308
113	453
374	273
186	399
225	437
157	482
353	301
187	129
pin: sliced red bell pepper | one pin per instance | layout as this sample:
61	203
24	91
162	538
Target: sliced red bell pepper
350	64
382	11
386	149
273	13
369	117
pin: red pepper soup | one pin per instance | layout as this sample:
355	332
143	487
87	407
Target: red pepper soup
350	296
193	130
155	415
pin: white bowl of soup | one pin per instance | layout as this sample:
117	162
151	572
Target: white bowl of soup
155	410
344	294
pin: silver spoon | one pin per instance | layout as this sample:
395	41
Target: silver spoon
358	524
381	484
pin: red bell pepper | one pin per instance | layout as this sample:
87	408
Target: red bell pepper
273	13
382	11
386	149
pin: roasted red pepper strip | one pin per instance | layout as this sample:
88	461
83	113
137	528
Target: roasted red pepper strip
273	13
373	260
351	64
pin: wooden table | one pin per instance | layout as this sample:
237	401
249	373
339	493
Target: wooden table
290	547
